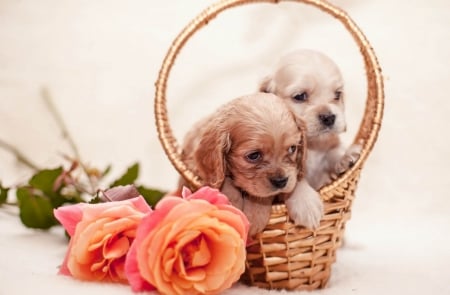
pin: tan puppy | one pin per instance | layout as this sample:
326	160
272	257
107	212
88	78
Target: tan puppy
248	148
312	85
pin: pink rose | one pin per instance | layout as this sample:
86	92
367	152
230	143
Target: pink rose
101	235
190	245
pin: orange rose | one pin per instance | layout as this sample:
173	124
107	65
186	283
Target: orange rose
190	245
101	235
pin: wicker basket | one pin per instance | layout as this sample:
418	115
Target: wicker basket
284	256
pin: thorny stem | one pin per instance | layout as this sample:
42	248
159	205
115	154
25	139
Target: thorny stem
19	156
65	133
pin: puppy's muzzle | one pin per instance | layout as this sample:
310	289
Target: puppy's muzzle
279	182
327	119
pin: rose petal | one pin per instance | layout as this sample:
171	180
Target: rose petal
117	270
181	247
155	217
228	215
123	224
99	265
137	283
202	255
69	216
140	204
167	203
116	211
101	236
64	270
185	192
91	234
189	245
196	275
169	258
116	249
149	255
84	272
189	210
95	246
91	211
211	195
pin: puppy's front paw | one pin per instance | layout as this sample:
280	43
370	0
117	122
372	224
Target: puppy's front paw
305	206
349	159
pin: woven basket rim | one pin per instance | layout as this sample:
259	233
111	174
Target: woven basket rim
370	123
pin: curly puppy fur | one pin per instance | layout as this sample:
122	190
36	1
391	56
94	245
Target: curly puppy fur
248	149
311	83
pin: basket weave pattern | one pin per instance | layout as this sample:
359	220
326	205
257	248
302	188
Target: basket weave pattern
284	256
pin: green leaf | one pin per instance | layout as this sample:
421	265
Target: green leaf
129	177
3	194
69	196
45	179
151	196
95	200
106	171
35	211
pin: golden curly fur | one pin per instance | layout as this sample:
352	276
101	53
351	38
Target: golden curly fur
248	148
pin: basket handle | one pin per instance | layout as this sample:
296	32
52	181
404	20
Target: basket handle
373	113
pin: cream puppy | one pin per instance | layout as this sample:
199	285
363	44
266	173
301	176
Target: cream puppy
248	149
312	85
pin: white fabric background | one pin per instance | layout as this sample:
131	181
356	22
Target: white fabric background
99	59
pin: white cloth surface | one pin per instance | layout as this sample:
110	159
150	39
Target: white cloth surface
99	59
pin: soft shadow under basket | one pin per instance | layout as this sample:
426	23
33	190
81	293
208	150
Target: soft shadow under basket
284	256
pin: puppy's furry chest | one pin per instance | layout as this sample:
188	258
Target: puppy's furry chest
318	168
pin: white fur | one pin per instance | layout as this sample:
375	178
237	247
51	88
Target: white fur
316	78
305	206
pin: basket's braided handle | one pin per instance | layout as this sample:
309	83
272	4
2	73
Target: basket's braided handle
370	125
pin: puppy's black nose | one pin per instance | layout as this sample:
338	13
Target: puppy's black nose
279	182
327	119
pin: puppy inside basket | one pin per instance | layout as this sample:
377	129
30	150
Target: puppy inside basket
312	85
249	149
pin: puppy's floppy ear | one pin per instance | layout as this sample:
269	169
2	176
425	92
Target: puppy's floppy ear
267	84
210	156
302	148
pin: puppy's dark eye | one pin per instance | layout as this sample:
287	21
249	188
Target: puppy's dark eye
301	97
338	95
292	149
253	156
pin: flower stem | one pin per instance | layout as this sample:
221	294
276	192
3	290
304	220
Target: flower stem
19	156
65	133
